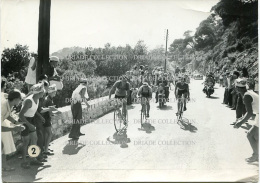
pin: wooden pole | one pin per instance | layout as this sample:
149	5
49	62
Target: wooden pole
43	38
166	51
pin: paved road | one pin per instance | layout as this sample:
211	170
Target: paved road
209	149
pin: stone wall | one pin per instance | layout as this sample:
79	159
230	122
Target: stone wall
61	124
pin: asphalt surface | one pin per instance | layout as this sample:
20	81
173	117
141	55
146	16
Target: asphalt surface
207	149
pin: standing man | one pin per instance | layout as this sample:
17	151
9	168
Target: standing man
79	95
251	101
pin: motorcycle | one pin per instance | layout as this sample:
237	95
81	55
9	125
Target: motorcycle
209	89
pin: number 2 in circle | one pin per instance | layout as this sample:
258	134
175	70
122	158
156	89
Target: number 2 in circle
34	151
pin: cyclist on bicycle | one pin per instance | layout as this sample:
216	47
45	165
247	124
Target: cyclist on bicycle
145	92
122	91
182	88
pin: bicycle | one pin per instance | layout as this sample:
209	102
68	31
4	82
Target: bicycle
143	111
180	113
120	122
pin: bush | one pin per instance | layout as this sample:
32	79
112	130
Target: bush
96	86
70	83
13	82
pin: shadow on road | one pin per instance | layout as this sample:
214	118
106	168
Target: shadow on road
212	97
165	107
20	174
129	107
72	147
188	126
147	127
121	139
249	179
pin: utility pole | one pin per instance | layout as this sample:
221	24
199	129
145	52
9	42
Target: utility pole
43	64
166	51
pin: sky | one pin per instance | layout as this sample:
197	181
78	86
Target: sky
94	23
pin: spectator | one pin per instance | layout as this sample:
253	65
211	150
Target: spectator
39	119
53	75
225	82
141	68
3	87
234	92
245	72
177	71
251	101
26	115
256	89
30	78
135	77
221	80
80	94
8	146
48	103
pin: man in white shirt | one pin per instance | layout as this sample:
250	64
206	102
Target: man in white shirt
251	101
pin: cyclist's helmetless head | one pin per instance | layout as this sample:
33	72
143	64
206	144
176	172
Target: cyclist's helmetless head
182	79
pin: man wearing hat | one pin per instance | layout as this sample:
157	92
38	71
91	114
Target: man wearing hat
251	101
79	95
53	75
26	115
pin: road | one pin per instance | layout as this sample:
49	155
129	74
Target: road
209	149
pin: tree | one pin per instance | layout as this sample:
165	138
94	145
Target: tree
15	60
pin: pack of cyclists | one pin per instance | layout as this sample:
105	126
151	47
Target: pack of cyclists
145	82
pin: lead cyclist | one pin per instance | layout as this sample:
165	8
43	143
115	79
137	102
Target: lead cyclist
182	89
122	91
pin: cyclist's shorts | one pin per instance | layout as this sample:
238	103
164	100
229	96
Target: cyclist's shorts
120	97
145	95
182	92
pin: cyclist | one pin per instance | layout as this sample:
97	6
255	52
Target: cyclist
183	70
177	71
122	91
182	88
145	92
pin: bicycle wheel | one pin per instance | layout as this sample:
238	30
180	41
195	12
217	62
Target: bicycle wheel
118	121
143	114
179	117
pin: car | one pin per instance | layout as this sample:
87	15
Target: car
198	77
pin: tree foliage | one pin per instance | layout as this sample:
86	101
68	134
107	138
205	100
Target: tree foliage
15	60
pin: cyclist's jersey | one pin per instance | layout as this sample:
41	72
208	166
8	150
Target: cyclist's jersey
210	79
120	89
177	71
181	86
145	91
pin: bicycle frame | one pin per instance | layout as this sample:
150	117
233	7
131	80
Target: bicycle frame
118	113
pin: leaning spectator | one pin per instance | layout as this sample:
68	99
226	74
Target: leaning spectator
251	100
8	126
30	78
26	115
